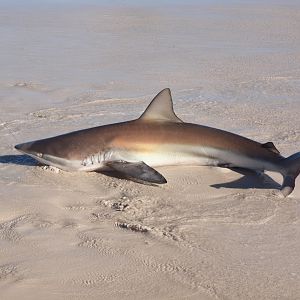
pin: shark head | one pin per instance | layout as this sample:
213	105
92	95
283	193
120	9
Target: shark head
30	148
41	150
44	152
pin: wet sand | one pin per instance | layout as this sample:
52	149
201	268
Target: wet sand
208	233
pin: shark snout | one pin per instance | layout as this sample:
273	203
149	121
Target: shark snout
24	147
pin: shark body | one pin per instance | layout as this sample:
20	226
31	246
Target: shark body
159	138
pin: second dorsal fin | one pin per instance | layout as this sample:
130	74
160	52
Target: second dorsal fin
161	109
270	146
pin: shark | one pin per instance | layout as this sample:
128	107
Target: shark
135	148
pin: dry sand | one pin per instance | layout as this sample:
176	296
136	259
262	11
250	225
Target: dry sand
207	234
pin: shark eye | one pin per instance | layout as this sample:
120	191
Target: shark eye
39	154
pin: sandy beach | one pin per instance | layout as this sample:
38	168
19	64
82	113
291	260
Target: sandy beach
209	233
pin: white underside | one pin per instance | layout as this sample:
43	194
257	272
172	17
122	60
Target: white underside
201	156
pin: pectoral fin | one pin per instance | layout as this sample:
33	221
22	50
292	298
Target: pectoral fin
137	171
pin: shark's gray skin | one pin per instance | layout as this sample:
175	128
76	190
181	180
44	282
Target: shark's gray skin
159	138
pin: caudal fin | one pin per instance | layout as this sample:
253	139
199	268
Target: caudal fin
291	169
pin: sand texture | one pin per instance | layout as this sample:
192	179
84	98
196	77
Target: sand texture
209	233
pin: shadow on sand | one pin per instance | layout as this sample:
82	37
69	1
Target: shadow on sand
24	160
249	180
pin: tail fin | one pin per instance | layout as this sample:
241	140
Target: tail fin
291	169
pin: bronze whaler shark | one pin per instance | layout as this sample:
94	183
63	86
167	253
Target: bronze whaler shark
159	138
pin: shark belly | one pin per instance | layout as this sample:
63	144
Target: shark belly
157	159
176	154
170	155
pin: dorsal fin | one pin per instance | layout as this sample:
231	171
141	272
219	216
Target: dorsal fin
270	146
161	109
